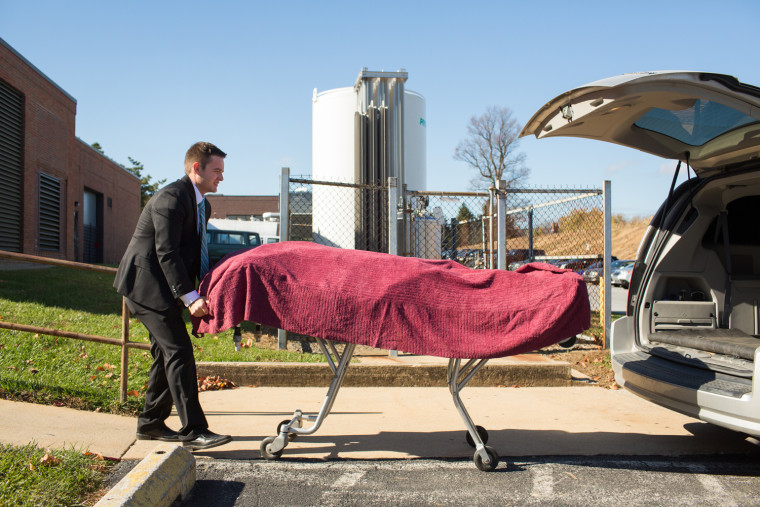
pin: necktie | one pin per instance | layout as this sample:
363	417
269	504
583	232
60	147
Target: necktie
204	245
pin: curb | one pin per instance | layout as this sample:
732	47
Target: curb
532	374
162	477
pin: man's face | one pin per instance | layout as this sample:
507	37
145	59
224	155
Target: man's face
208	178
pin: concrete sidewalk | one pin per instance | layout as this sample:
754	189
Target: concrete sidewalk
376	423
399	422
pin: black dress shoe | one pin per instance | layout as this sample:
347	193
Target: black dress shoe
206	440
160	433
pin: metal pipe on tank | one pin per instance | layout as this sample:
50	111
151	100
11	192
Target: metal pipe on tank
398	144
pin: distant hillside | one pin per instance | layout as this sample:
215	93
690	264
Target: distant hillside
626	237
570	241
581	239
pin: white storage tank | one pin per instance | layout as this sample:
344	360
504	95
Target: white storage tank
338	149
332	148
415	141
332	134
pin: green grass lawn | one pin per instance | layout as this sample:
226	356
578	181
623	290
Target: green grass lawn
31	476
83	374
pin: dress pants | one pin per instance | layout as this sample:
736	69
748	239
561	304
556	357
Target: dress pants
173	377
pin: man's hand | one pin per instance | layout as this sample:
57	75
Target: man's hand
198	307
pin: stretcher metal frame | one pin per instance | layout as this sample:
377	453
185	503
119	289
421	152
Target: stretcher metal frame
457	377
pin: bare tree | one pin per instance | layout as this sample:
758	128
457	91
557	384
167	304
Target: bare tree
491	149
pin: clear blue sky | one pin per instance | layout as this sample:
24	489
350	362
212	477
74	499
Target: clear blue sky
151	78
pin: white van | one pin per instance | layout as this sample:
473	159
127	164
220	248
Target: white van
690	340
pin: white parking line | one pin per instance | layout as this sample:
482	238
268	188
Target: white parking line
712	485
543	482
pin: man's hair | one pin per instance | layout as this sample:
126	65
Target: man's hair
201	152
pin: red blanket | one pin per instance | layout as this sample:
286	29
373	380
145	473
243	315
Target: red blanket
429	307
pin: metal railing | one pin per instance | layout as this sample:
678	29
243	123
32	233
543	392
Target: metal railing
124	342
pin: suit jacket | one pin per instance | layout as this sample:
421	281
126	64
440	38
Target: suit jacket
162	261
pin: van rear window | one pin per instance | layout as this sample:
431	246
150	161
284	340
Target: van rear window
695	125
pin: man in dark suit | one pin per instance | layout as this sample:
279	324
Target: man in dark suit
157	276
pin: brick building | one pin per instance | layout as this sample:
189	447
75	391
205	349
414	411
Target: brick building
60	197
243	207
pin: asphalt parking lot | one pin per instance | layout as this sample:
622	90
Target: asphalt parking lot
553	480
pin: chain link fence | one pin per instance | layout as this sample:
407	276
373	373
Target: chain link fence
564	227
345	215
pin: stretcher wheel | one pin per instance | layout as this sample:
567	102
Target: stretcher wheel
482	433
291	436
264	449
486	467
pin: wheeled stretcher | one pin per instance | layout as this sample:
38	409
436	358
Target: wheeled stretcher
436	308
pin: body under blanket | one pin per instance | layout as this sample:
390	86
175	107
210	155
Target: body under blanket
429	307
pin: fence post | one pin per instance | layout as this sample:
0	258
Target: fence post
124	350
393	226
530	234
282	335
454	222
607	303
393	216
501	208
489	264
284	204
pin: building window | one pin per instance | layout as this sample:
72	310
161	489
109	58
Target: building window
93	226
50	213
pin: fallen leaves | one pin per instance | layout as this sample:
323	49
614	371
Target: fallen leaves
214	383
99	457
49	460
247	344
593	363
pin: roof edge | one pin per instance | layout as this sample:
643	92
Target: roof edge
34	68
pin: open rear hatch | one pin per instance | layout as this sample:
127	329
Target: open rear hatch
712	117
711	122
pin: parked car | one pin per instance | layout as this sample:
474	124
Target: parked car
221	243
622	275
593	273
577	265
689	340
